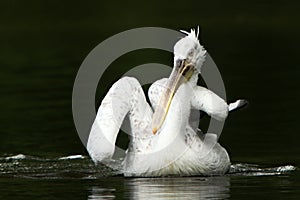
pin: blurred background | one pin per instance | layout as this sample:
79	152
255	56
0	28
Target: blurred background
255	45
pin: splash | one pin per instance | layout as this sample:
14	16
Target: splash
81	167
72	157
255	170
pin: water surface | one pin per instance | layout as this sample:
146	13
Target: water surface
76	177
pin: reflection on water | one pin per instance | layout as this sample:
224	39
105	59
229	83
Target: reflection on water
98	193
181	188
167	188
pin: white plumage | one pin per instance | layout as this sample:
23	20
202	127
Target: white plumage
162	140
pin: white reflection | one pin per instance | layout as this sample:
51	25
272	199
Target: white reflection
178	188
98	193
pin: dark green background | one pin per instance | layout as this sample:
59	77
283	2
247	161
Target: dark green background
255	44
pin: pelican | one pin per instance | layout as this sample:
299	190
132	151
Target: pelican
162	142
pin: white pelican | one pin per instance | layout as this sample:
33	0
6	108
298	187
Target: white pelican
162	141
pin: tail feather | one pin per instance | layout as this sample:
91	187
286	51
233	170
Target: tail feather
232	107
237	105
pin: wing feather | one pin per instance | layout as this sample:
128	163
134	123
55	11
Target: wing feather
125	96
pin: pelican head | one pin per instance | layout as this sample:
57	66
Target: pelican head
189	51
189	56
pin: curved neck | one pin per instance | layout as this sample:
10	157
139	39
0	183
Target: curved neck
176	122
194	78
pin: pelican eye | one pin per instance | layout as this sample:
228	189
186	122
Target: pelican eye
191	53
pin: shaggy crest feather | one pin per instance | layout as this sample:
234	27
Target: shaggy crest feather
190	47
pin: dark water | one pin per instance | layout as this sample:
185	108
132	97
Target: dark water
255	45
77	177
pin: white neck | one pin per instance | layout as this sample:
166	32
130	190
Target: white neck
176	122
194	79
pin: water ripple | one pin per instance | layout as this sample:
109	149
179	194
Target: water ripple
81	167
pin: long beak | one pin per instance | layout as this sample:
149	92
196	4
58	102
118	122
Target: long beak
181	74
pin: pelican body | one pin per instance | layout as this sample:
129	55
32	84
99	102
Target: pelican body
162	142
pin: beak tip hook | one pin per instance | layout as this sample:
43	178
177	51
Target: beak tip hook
154	131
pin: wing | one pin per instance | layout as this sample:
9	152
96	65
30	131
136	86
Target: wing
125	96
210	103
